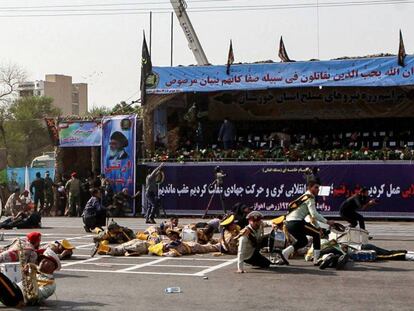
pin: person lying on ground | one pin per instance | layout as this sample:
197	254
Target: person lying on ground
205	235
228	236
28	219
212	223
384	254
333	254
31	245
171	224
337	257
114	234
63	249
16	295
135	247
175	247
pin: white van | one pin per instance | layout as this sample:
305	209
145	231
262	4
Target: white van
46	160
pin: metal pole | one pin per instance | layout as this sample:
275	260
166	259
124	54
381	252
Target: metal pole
150	38
172	38
317	28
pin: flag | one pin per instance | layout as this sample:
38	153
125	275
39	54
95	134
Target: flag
27	180
401	51
146	68
230	58
53	131
282	52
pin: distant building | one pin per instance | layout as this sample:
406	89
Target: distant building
70	98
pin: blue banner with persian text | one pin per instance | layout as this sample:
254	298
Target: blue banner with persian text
269	187
366	72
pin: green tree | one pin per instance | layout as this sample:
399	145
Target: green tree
11	75
98	112
124	108
26	133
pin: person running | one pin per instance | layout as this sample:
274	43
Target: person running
73	188
37	189
49	194
297	226
349	207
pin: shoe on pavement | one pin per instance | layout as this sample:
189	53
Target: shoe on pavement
327	261
284	260
342	261
287	252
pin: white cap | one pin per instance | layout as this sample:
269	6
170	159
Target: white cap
49	254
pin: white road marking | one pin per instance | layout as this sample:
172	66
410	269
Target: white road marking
80	262
180	266
129	265
84	245
143	265
153	263
130	272
214	268
152	257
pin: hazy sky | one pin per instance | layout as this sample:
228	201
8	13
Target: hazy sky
104	51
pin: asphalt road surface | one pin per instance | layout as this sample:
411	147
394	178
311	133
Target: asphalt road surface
211	283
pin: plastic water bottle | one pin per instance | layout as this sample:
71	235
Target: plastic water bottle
172	290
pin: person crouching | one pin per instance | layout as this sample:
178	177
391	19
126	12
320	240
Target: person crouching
251	240
94	214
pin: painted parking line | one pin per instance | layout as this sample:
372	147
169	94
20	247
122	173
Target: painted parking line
214	268
135	267
79	262
179	266
131	272
162	263
84	245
